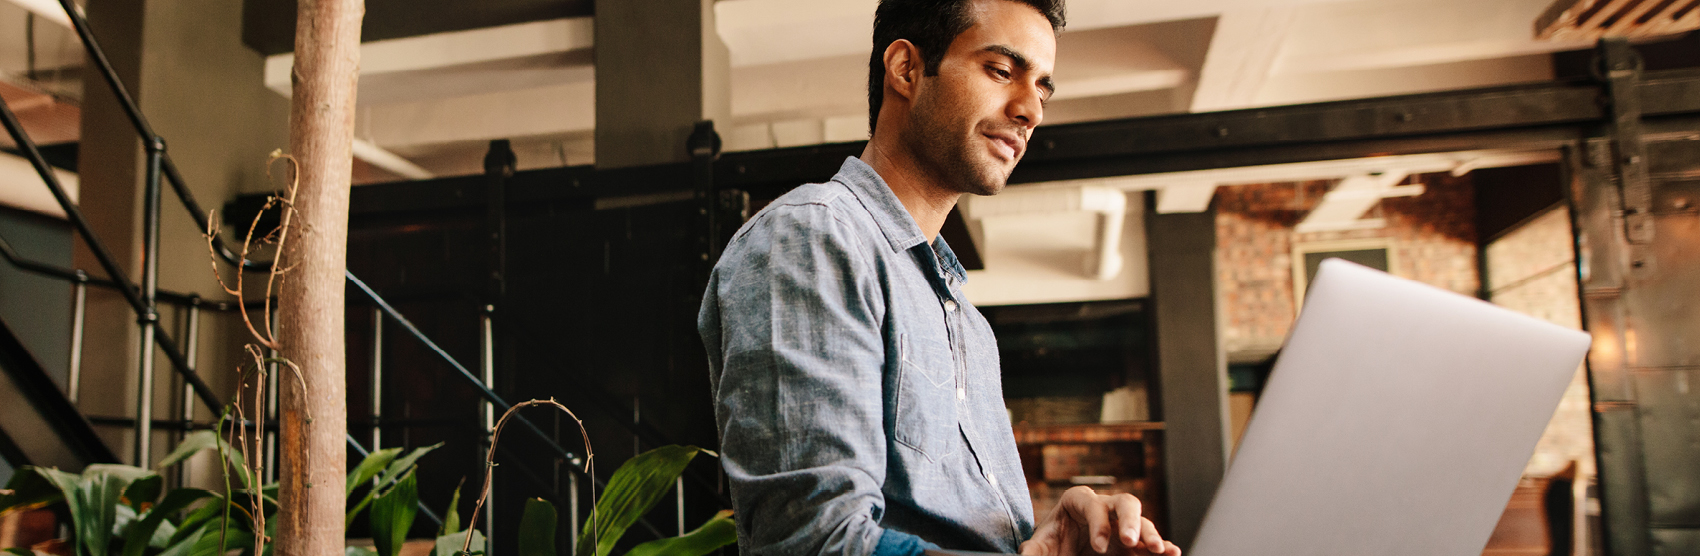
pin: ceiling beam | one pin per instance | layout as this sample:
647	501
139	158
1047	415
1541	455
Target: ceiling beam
553	110
455	49
1242	53
1186	197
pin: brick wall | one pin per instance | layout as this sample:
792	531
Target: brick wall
1532	270
1432	239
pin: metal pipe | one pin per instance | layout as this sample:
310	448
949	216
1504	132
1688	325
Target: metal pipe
191	345
377	378
572	506
488	359
679	488
74	377
149	318
489	363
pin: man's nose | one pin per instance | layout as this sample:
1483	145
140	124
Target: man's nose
1028	107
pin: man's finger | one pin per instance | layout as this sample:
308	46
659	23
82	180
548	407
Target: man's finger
1090	506
1128	520
1148	534
1169	549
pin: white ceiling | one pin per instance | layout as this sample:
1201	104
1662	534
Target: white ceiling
799	68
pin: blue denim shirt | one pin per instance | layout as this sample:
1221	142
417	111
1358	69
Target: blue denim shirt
857	393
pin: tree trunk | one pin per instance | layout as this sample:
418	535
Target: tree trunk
314	408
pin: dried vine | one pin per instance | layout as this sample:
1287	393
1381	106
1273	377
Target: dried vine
490	464
252	459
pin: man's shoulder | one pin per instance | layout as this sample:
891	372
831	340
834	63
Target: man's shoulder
814	206
833	194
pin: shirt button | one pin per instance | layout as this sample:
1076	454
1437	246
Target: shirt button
949	305
992	479
962	393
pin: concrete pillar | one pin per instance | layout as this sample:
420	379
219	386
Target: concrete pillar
660	68
1191	366
203	91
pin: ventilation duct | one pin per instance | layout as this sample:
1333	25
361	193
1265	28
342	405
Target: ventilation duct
1107	204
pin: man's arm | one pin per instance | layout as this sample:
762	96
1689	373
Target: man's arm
798	389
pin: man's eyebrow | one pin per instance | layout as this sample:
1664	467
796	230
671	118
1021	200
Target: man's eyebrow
1021	62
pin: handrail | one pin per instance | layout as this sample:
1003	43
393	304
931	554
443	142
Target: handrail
162	164
79	276
120	281
483	391
80	23
644	431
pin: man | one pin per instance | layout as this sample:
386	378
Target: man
857	393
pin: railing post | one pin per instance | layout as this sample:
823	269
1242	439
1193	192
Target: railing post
377	378
192	347
149	319
499	165
487	360
79	308
572	507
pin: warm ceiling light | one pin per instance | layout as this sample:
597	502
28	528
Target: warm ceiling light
1588	20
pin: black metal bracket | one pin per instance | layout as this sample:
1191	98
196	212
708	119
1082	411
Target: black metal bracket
1620	67
704	148
499	166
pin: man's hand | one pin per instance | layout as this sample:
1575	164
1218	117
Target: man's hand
1085	522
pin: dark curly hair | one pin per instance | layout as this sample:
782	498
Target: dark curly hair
931	25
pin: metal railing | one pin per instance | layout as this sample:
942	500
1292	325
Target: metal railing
145	298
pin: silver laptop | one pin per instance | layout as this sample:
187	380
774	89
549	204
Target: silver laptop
1398	420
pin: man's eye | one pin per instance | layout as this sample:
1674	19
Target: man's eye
1000	72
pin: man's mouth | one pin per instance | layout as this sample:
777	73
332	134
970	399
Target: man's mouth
1008	145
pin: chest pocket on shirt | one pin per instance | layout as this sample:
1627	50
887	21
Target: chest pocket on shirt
926	399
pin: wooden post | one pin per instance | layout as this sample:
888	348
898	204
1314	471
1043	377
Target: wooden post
315	419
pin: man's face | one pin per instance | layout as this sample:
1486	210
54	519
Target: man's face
970	123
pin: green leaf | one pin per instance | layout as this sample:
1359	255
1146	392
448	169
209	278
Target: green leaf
537	528
404	464
212	543
193	523
370	467
197	441
29	486
358	551
142	535
93	500
449	545
451	518
719	531
122	517
392	515
144	491
396	469
635	488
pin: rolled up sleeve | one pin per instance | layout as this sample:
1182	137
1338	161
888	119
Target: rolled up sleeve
792	324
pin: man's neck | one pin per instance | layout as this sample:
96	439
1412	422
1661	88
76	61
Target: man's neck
926	201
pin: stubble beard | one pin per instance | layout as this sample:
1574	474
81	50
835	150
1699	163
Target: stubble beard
947	150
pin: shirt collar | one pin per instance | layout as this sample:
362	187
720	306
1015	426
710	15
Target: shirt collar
893	220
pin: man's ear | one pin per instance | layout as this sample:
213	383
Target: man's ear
903	67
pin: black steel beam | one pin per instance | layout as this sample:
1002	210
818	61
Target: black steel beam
1533	115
